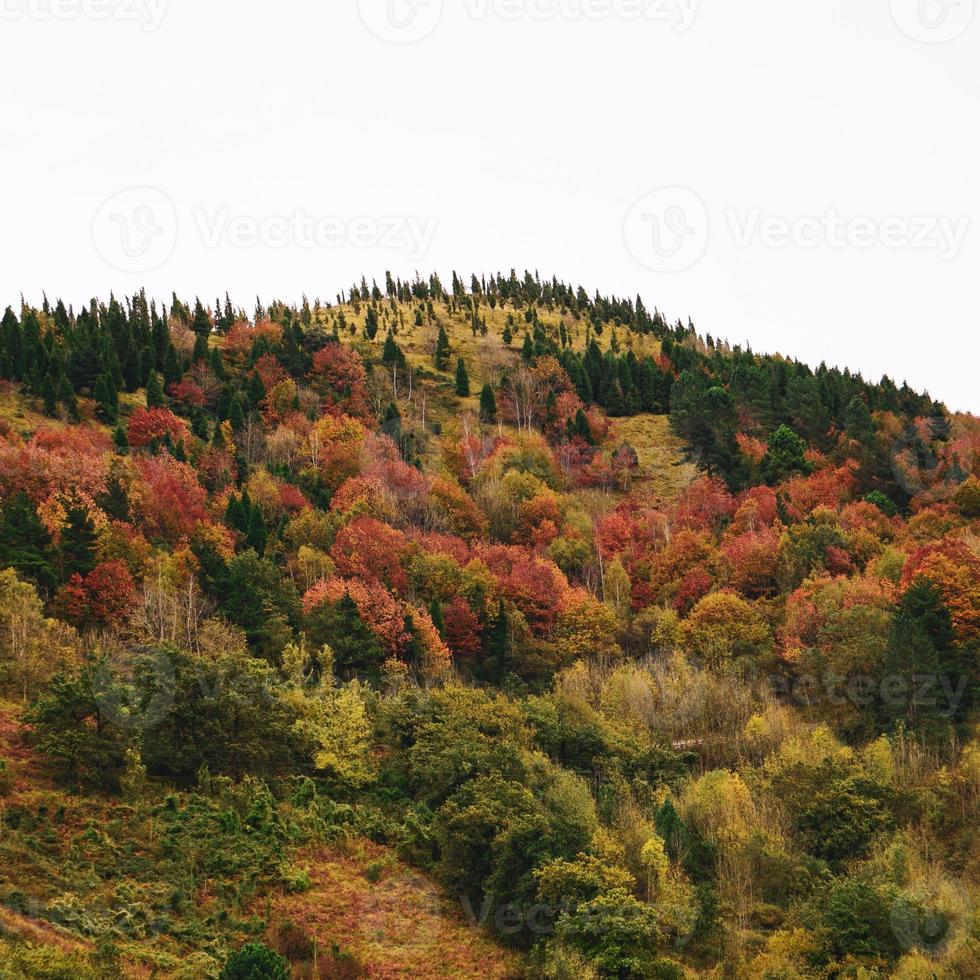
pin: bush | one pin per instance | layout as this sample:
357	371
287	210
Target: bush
255	962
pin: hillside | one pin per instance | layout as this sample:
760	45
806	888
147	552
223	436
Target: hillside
496	628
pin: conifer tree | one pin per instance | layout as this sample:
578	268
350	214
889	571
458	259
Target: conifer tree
442	350
462	379
154	392
25	544
488	405
77	543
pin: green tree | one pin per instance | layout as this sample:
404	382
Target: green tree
462	379
488	405
442	350
78	543
25	544
255	962
786	455
154	392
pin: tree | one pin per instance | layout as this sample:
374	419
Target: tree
30	646
786	455
255	962
106	400
25	544
488	405
441	356
77	543
75	726
462	379
154	392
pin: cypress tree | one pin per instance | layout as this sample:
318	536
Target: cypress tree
154	392
121	440
488	405
25	544
105	403
442	350
77	543
462	379
49	396
66	396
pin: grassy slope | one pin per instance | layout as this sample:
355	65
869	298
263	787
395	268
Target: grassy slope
664	471
86	853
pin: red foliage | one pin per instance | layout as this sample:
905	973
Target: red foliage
757	508
187	393
370	550
954	568
104	597
168	501
693	588
463	630
147	424
534	585
826	488
705	504
339	373
751	560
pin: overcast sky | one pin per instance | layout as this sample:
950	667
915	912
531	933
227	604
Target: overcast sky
802	177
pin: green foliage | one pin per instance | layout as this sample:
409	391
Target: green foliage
255	962
786	455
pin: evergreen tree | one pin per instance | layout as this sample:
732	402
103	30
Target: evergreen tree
786	455
49	396
25	544
121	440
462	379
66	396
77	543
236	414
105	400
488	405
442	350
256	535
154	392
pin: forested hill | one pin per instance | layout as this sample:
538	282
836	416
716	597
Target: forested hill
493	628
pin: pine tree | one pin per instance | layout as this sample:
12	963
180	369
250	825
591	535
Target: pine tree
105	402
488	405
25	544
371	323
236	414
256	534
527	351
66	396
154	392
462	379
121	440
442	350
77	543
49	396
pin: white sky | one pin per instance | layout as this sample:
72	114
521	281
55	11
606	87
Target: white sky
522	142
